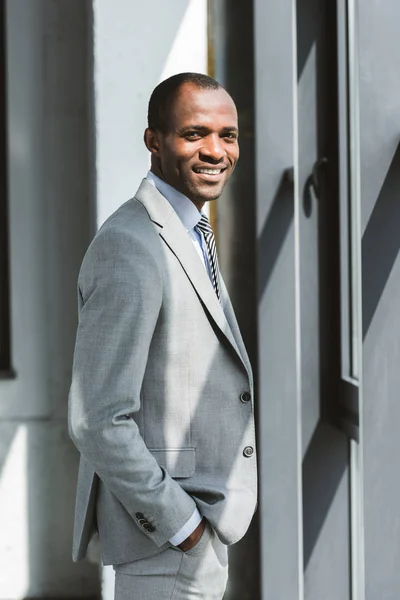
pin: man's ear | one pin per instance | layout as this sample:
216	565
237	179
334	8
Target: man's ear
152	142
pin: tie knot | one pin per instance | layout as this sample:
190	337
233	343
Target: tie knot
204	224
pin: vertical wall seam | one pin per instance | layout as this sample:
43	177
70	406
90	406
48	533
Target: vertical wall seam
357	496
297	307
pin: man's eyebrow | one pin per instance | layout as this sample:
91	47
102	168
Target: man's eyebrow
204	128
230	128
193	128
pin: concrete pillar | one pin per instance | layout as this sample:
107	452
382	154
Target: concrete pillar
47	60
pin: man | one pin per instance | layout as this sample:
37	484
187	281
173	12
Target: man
161	401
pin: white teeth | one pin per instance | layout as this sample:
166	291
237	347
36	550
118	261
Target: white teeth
209	171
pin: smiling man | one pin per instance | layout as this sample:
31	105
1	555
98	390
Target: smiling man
193	137
161	401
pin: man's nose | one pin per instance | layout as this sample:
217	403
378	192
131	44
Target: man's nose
212	149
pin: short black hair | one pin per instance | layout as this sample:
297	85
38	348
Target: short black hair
157	116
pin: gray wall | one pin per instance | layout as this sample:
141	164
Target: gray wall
47	53
380	186
325	474
309	532
278	295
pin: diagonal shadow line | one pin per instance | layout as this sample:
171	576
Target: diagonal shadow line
6	440
326	458
381	242
275	231
323	467
307	30
282	211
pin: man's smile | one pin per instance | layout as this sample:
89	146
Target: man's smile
209	171
210	175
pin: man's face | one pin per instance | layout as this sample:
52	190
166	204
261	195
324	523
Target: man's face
199	151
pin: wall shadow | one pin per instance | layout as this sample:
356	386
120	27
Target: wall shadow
275	230
324	465
381	242
326	457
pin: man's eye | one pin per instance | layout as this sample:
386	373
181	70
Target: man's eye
191	135
231	136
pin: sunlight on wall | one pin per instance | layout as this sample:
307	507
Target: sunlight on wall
135	47
189	49
14	552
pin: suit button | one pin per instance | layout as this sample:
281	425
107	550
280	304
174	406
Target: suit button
139	516
148	527
248	451
245	397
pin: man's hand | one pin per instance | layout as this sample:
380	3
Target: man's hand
194	537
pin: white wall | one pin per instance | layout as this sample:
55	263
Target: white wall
136	45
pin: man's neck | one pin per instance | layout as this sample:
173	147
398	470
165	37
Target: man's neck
157	172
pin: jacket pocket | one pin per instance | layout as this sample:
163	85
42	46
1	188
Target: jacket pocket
178	462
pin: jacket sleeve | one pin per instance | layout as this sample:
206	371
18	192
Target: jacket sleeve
120	289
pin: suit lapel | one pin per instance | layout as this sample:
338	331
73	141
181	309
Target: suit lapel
233	324
176	237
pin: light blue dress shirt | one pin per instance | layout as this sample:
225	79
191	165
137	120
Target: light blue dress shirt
190	216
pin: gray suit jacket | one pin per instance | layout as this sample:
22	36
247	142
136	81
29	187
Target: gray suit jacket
156	405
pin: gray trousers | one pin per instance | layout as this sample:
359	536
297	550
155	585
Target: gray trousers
200	573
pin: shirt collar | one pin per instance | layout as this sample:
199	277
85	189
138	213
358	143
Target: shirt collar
184	208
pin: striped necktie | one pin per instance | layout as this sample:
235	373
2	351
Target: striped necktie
205	228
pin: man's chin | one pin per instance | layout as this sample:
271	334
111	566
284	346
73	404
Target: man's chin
207	194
